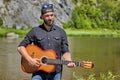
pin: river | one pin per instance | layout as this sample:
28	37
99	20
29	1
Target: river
103	52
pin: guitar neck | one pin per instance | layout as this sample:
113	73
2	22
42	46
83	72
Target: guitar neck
84	64
61	62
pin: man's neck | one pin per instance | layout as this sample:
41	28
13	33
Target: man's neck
47	27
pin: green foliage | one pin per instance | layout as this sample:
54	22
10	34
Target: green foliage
41	22
93	14
108	76
68	24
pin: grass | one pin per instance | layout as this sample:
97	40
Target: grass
70	32
93	33
20	32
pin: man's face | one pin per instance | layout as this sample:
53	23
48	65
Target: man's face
48	18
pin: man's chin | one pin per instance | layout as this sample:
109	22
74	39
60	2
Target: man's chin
49	24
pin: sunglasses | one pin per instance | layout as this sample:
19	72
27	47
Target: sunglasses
45	6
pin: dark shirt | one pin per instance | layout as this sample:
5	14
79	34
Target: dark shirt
54	39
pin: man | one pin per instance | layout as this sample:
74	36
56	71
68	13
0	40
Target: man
47	36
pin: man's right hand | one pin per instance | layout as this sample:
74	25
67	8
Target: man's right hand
34	62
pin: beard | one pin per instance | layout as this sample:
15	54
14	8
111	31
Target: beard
49	23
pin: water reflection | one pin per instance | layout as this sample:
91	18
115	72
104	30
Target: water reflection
104	52
10	61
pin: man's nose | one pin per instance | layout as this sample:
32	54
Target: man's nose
50	17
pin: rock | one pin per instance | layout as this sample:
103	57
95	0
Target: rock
12	35
24	13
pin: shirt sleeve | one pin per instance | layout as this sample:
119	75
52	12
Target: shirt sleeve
28	39
64	42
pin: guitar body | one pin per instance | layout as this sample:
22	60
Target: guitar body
36	52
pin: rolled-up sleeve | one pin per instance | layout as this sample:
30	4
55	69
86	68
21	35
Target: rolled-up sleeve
28	39
64	46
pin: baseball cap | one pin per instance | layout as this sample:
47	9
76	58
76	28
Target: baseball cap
47	8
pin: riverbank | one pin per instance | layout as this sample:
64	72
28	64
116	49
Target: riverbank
21	32
69	32
93	33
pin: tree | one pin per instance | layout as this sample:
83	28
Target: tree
92	14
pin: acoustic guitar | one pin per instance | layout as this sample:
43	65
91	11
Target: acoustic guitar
48	60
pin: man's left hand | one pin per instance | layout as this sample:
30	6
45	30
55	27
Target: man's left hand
71	65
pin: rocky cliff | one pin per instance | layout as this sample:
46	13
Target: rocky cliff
24	13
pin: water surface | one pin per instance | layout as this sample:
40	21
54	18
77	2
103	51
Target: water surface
104	52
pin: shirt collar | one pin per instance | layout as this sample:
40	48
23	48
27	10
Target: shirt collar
53	27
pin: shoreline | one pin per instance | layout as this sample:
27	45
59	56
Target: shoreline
69	32
93	33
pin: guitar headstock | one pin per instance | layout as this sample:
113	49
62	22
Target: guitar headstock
87	64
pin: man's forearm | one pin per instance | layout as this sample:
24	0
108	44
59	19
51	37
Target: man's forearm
23	52
67	56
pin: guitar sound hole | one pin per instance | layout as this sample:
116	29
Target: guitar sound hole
44	60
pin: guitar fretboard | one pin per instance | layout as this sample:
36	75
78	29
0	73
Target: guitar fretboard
60	62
